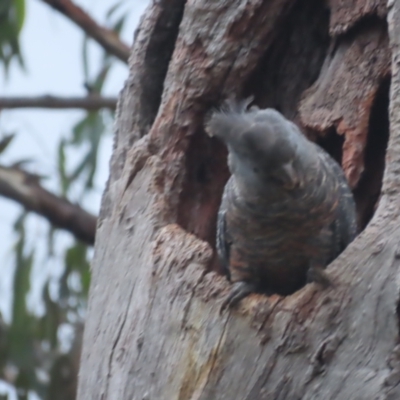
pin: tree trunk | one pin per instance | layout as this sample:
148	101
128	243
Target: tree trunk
153	329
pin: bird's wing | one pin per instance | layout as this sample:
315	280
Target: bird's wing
224	240
223	243
345	225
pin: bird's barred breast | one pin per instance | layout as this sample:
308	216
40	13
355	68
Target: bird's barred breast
273	243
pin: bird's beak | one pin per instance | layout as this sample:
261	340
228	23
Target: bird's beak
290	177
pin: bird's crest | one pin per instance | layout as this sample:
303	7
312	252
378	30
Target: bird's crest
221	120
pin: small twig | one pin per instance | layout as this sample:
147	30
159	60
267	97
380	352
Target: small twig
107	38
90	103
24	188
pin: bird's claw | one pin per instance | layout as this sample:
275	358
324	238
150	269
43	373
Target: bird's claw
318	275
239	291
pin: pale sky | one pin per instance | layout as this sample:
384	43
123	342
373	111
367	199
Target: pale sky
52	50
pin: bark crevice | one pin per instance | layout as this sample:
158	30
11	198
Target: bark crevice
294	60
368	190
152	50
346	14
345	91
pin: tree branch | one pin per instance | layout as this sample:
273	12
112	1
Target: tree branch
106	38
90	103
25	189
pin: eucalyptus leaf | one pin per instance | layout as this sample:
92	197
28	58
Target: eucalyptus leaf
5	141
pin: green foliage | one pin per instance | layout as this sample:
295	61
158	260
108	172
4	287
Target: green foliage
112	13
88	131
12	16
32	345
5	141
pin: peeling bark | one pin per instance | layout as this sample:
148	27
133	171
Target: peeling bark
154	330
347	13
344	93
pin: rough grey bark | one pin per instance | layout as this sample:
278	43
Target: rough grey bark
153	329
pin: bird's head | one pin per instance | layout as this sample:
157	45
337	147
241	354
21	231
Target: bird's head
262	144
